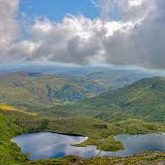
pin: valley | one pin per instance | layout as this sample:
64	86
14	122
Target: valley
82	82
27	105
28	89
143	99
16	123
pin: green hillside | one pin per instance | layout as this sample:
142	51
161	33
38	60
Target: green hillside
117	78
100	133
139	159
34	90
143	99
122	111
30	89
12	123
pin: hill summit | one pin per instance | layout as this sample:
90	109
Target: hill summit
145	98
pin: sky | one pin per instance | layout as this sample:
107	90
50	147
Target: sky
56	10
113	32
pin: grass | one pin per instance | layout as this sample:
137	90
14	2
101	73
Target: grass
99	133
26	90
96	131
5	107
135	109
107	144
13	123
137	126
31	90
140	159
9	108
143	99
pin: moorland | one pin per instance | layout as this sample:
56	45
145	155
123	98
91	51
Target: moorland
96	105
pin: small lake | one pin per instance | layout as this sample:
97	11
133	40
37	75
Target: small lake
52	145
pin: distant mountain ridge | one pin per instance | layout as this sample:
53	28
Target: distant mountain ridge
39	89
145	98
36	89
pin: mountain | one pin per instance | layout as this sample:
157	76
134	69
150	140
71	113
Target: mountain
115	79
22	88
143	99
58	69
49	68
28	89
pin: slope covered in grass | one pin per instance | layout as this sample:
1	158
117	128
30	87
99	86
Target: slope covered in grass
30	89
140	159
145	99
42	90
13	123
99	133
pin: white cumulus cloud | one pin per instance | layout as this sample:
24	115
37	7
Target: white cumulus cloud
9	26
137	39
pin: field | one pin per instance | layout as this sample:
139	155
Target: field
134	109
100	133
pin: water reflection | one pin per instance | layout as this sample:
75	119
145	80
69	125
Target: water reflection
51	145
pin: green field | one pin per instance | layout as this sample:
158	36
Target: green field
100	133
140	159
134	109
35	91
143	99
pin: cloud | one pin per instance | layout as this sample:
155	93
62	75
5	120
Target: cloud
107	7
73	40
76	39
81	40
144	46
20	51
137	39
9	26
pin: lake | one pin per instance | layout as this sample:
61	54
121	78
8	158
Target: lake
46	145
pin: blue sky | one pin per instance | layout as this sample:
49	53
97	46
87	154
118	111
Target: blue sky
57	9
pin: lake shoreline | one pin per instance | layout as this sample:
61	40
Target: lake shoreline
60	133
67	149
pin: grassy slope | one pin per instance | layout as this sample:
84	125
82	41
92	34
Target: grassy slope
140	159
144	99
14	123
33	90
115	79
96	131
